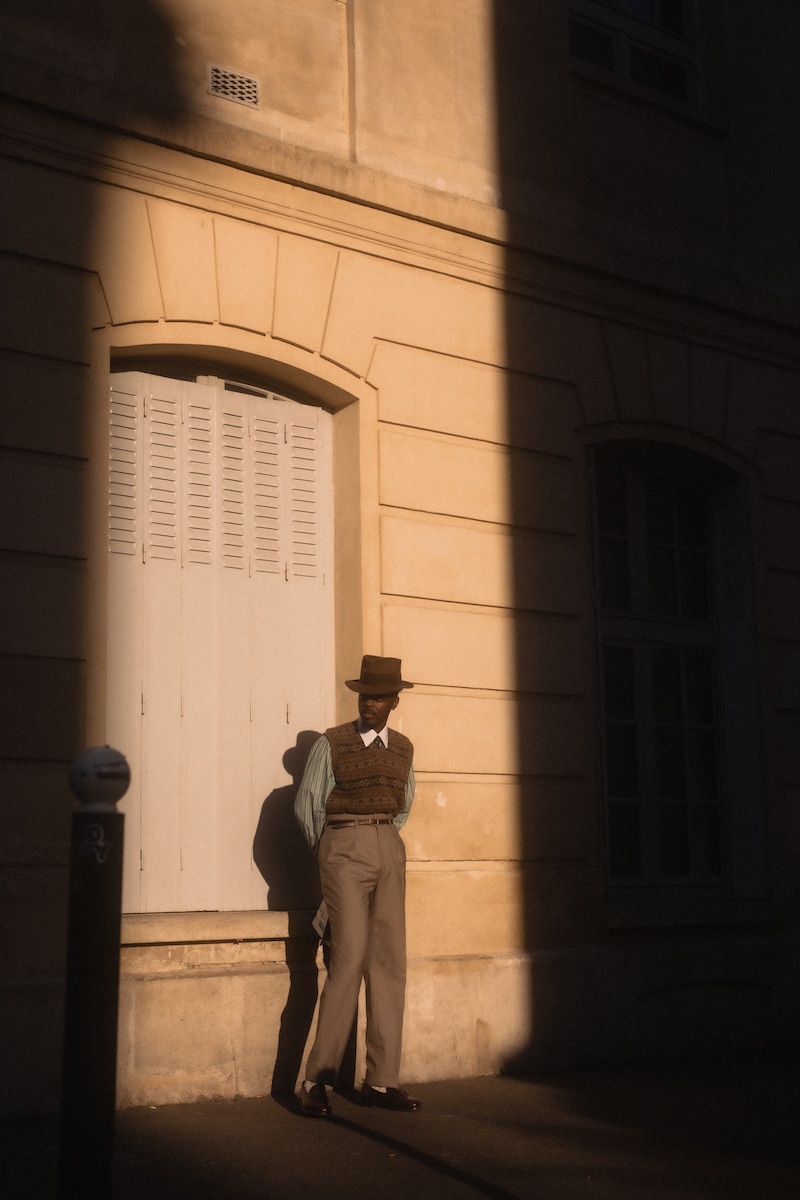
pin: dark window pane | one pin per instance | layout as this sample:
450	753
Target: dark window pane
706	840
699	676
621	761
661	750
615	576
701	764
625	856
690	512
643	9
659	511
612	501
670	776
666	668
672	17
660	74
592	45
618	683
693	584
661	582
674	839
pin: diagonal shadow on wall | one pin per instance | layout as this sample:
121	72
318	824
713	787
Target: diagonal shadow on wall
72	70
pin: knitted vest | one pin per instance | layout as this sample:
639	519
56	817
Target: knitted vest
368	780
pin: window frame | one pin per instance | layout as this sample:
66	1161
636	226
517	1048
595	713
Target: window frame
628	33
730	636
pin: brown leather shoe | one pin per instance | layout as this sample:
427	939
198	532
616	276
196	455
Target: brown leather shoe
394	1098
314	1102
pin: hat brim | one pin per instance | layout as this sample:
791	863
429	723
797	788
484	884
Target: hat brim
376	689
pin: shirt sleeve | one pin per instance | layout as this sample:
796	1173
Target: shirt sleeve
315	787
402	816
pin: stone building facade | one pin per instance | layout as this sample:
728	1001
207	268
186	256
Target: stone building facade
461	332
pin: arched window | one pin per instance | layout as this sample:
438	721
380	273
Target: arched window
678	685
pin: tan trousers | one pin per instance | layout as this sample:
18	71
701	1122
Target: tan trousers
363	875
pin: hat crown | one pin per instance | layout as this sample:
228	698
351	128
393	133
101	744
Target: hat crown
379	676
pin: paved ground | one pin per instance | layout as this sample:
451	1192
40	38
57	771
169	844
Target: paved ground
680	1132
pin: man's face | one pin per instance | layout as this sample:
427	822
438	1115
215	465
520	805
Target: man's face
374	710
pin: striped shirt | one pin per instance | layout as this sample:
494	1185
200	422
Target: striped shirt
318	783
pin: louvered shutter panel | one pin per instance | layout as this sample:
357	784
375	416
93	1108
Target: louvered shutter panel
220	625
199	651
123	475
267	434
163	426
162	624
199	477
302	498
123	682
232	446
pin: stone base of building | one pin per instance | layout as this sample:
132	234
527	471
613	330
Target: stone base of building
236	1016
232	1013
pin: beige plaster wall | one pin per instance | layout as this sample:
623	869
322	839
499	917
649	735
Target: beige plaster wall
472	115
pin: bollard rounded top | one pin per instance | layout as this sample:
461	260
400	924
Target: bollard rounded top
99	777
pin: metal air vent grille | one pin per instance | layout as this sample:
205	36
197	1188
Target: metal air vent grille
231	86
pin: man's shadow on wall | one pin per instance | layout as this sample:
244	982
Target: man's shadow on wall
280	851
290	871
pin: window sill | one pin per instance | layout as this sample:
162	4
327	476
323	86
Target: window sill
151	929
649	915
622	93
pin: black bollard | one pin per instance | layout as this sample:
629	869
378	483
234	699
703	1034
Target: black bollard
99	778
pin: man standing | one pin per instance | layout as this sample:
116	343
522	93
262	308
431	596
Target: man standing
354	797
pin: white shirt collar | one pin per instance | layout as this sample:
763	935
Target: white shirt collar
368	736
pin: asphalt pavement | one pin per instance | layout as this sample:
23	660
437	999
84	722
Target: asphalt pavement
682	1131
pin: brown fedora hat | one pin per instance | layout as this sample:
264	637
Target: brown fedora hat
379	677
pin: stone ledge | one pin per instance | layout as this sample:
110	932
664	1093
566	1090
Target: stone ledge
148	929
651	915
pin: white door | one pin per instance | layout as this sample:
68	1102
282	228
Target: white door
220	632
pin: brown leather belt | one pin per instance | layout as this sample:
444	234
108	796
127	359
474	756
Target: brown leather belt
352	823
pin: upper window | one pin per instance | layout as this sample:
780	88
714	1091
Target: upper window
648	42
678	684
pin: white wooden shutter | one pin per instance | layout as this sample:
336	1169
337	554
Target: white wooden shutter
267	432
198	650
220	625
123	480
303	499
125	615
